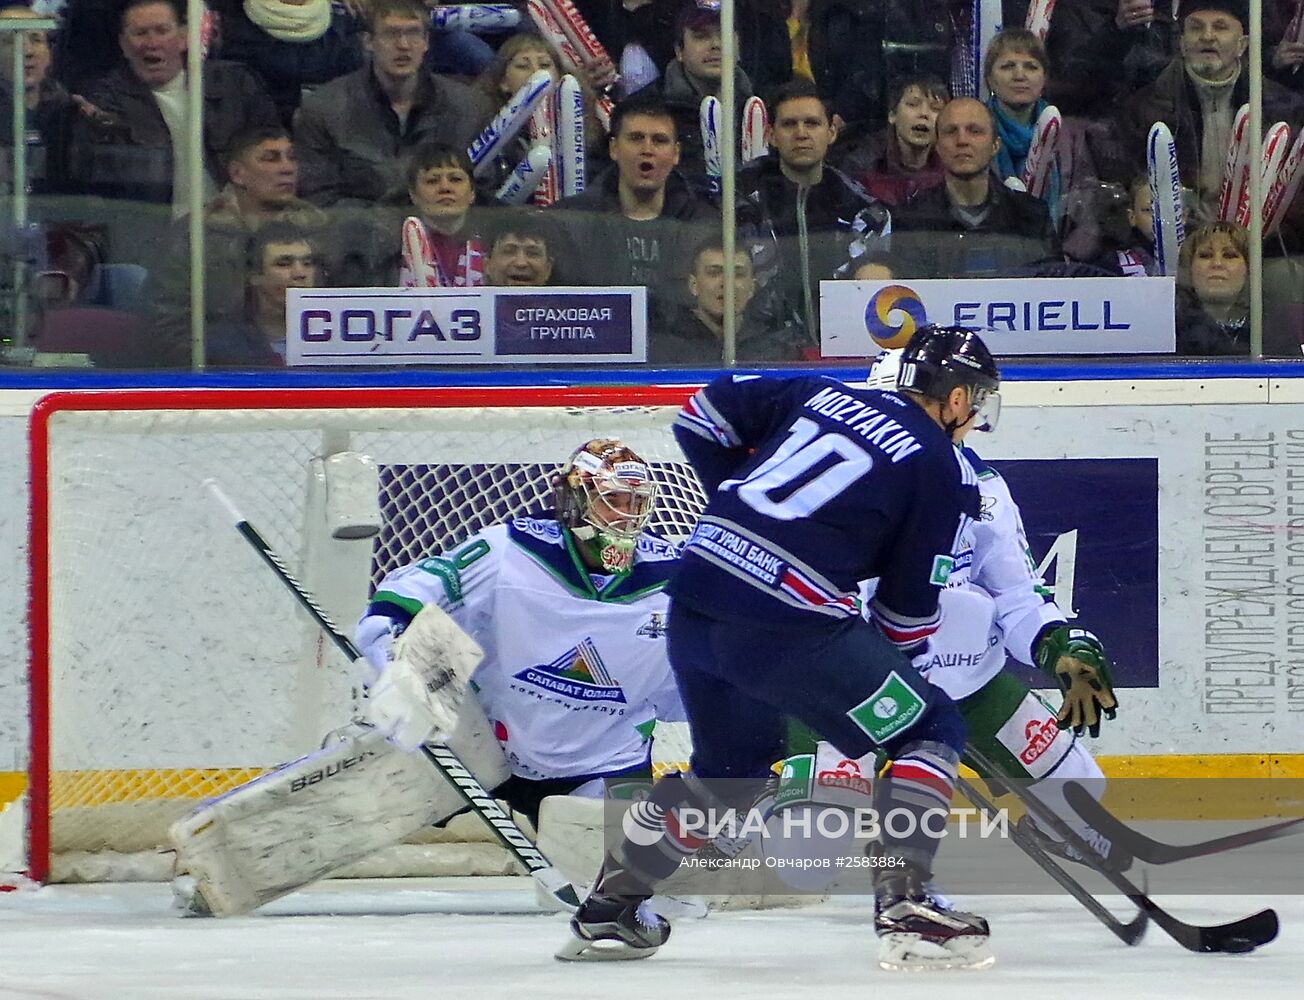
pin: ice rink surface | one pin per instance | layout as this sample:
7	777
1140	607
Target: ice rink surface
449	939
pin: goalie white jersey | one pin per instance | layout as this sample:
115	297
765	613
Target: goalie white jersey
993	601
575	664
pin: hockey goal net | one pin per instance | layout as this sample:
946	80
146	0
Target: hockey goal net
168	665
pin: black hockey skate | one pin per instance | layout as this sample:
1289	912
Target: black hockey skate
915	932
614	928
615	922
1109	855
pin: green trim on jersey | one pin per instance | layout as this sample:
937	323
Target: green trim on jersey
408	604
985	712
581	583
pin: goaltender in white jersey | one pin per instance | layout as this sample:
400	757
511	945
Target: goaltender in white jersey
566	619
571	614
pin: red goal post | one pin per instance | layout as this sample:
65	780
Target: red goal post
166	665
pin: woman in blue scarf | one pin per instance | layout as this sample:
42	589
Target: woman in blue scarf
1015	70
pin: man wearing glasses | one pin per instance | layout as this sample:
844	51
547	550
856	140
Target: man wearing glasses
353	133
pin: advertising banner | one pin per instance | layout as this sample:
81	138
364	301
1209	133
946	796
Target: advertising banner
1018	315
465	326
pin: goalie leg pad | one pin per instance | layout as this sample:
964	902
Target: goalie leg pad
297	824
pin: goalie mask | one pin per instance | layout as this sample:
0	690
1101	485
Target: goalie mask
604	495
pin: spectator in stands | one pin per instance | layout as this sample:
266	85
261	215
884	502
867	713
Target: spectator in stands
520	251
280	256
441	194
638	221
131	140
1134	254
263	172
695	73
50	110
354	132
518	58
636	34
694	333
858	49
1197	96
805	218
291	43
1283	32
895	162
873	268
1014	67
1099	49
1213	310
971	225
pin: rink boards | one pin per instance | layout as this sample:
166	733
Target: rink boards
1167	514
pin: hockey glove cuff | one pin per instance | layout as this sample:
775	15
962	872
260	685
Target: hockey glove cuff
1077	661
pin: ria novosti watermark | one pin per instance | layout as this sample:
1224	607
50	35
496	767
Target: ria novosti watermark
828	822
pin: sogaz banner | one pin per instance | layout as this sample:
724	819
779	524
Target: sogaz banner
1018	315
477	326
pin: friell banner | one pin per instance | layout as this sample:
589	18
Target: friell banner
469	326
1018	315
1100	560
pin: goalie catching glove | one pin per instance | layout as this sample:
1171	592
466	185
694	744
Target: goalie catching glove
1077	660
419	692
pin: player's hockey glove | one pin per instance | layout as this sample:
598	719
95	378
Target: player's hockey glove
1077	661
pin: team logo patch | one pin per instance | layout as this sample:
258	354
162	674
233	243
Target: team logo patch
578	673
892	316
893	707
654	628
1032	736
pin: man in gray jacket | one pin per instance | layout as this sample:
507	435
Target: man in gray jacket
354	133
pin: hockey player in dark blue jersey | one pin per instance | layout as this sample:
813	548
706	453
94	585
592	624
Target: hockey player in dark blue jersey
815	486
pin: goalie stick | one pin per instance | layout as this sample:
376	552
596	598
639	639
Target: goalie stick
445	761
1241	935
1129	933
1156	852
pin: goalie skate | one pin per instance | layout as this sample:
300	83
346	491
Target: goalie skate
915	933
613	929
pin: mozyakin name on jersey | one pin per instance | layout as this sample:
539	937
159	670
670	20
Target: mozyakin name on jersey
858	415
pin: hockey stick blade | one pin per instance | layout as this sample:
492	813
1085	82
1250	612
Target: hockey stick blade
1241	935
1129	933
1156	852
444	760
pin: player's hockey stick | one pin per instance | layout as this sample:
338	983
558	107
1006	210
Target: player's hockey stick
1241	935
1129	933
445	761
1156	852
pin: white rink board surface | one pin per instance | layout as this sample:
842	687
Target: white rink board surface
1116	419
417	939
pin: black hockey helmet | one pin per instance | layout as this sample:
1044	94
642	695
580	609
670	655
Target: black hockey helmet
937	359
